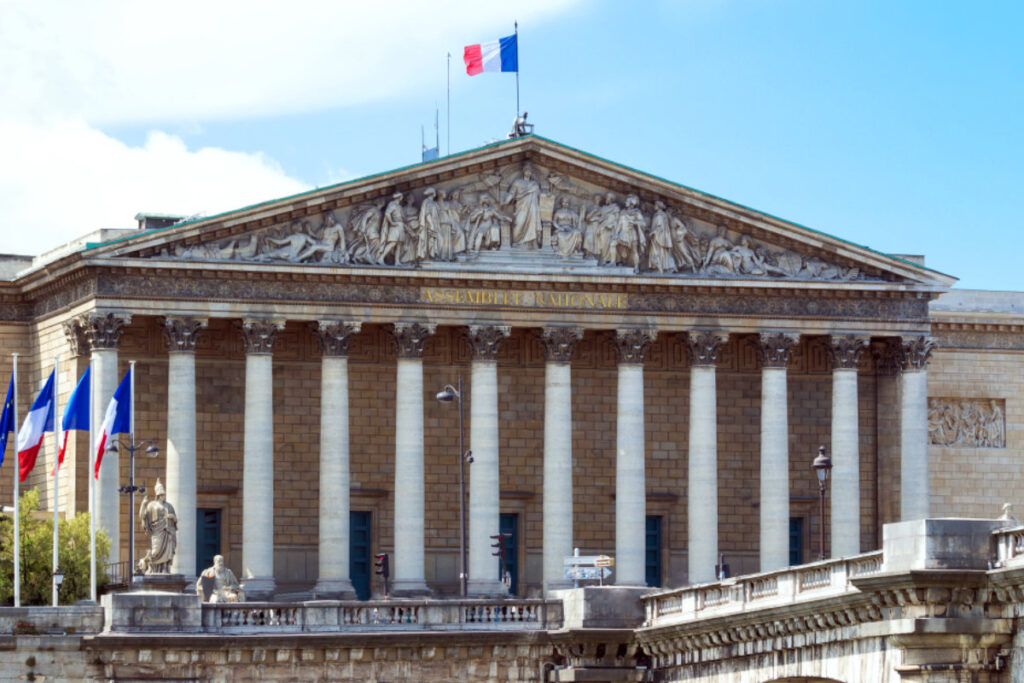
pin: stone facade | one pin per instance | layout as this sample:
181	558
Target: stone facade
742	276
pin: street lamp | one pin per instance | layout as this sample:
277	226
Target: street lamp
151	451
822	467
447	395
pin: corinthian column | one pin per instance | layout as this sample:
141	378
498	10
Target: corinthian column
914	485
774	349
845	352
408	569
181	335
630	486
102	333
559	343
484	481
258	459
702	484
333	580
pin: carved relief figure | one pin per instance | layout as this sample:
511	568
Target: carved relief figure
392	231
660	252
685	246
288	247
161	525
591	227
524	195
330	247
429	226
607	221
976	423
485	225
630	236
566	224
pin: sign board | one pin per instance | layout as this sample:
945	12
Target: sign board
604	561
588	567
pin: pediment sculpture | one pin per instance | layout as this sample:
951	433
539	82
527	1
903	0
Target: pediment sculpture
520	208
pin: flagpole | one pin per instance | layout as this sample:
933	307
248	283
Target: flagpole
17	507
448	113
517	70
92	490
56	479
131	494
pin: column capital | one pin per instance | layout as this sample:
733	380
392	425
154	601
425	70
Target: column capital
631	344
485	340
915	352
410	338
182	334
259	335
887	356
560	342
845	350
704	345
775	348
92	331
335	336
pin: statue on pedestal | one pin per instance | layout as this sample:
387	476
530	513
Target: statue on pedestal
161	525
218	583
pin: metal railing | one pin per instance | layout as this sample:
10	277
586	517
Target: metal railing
118	575
381	615
757	591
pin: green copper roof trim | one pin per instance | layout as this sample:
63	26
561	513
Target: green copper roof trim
92	245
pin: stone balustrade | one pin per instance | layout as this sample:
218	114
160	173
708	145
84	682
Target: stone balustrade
381	615
1010	547
826	579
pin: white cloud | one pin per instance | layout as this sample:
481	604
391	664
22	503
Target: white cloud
68	67
64	179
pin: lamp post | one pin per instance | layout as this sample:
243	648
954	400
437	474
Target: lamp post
152	451
58	578
447	395
822	467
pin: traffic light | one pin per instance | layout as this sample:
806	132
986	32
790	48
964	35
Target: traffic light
499	547
383	568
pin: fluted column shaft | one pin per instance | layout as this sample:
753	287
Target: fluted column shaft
408	568
557	505
630	483
333	578
845	501
258	460
702	484
775	351
181	335
484	477
914	484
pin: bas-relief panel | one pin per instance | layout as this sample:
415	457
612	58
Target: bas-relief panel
967	423
524	207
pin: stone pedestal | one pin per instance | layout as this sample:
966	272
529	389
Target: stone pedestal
152	612
167	583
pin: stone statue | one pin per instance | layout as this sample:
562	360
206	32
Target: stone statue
290	246
524	194
392	231
607	223
660	256
591	227
685	246
161	525
565	221
218	583
430	226
485	224
630	236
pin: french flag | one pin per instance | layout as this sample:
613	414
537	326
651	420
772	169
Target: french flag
117	419
498	55
38	421
76	413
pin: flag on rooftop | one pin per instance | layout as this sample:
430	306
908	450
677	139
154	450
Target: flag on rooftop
38	421
497	55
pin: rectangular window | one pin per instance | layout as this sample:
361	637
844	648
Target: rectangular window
509	524
652	561
796	540
359	550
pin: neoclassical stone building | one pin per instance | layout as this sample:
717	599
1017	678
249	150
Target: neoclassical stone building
647	373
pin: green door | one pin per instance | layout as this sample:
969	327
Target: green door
207	537
359	551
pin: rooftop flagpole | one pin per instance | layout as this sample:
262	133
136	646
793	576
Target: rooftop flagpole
516	24
17	507
448	113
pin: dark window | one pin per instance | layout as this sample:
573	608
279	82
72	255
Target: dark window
207	537
509	524
359	550
796	540
652	555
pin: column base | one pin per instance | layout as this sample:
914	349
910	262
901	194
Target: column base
334	589
259	588
410	588
486	589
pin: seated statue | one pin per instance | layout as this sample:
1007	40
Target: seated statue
218	583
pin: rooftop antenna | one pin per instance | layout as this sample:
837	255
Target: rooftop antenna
431	153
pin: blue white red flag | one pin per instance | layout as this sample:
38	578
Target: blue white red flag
497	55
117	419
7	419
38	421
76	413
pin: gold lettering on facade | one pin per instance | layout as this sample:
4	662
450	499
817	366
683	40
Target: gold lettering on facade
524	299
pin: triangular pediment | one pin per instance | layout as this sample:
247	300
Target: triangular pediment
530	205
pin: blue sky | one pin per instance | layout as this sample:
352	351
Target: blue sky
891	124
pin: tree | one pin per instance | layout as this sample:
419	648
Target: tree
37	555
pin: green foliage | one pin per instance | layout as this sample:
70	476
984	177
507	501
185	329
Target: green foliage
37	555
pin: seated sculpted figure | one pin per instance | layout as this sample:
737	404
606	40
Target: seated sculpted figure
220	583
